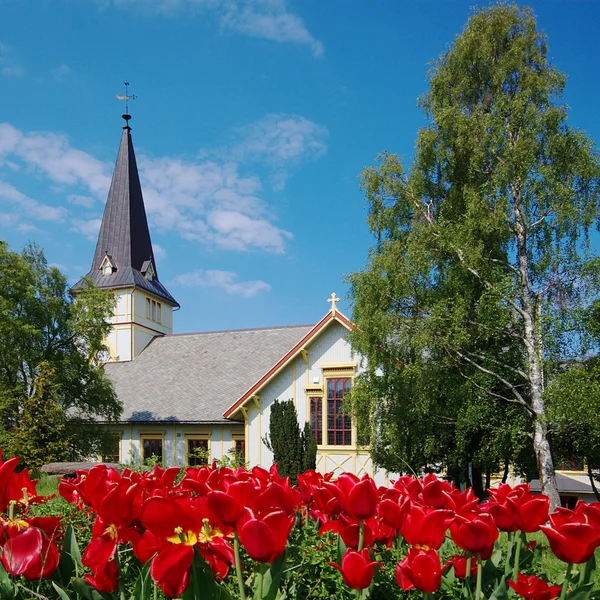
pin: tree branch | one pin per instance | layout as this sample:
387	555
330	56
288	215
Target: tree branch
518	398
500	364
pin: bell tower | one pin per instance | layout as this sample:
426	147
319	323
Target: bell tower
124	262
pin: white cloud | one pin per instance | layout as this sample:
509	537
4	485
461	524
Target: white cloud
60	72
52	154
206	201
264	19
271	20
9	67
28	206
80	200
236	231
282	142
87	227
225	280
159	252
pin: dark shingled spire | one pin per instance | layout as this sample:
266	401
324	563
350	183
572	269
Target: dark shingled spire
124	235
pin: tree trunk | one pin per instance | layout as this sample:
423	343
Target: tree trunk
592	482
531	316
478	482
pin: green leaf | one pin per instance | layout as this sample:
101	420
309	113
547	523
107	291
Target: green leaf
581	592
589	570
70	557
501	591
84	590
143	585
202	584
60	592
7	589
341	549
489	574
268	579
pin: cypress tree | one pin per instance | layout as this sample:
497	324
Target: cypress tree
309	448
285	439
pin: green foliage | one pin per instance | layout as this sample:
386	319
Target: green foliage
482	269
52	389
309	448
285	439
294	451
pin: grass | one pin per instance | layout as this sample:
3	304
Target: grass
48	484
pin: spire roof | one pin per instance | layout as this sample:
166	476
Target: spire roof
124	239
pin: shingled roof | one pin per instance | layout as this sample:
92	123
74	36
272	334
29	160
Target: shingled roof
196	377
124	235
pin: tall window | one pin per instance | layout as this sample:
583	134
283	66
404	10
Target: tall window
339	424
111	446
240	449
316	418
154	310
197	452
153	448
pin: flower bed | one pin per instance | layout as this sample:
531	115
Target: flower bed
224	533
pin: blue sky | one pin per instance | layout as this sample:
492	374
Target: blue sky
252	123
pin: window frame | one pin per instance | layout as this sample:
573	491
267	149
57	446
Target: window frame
239	437
346	418
118	435
345	370
188	437
152	435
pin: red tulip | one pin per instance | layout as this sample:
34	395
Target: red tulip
357	570
357	497
475	533
420	569
30	554
534	588
517	508
460	566
435	491
105	579
170	568
572	542
393	512
264	536
425	527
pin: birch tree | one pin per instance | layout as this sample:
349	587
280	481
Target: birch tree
483	260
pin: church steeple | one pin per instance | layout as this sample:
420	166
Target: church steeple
124	259
124	240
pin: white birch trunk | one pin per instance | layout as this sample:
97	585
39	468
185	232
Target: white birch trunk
531	315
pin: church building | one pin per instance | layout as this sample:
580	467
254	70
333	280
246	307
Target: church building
210	391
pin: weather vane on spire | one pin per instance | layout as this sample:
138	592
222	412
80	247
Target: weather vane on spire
126	98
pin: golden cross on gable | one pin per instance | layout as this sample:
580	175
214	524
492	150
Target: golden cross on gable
334	300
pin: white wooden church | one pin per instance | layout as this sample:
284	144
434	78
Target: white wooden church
211	390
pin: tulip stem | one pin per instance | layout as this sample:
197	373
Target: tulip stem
515	573
566	582
468	572
511	543
119	576
479	571
361	535
238	565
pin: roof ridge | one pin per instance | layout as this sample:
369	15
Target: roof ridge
238	330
